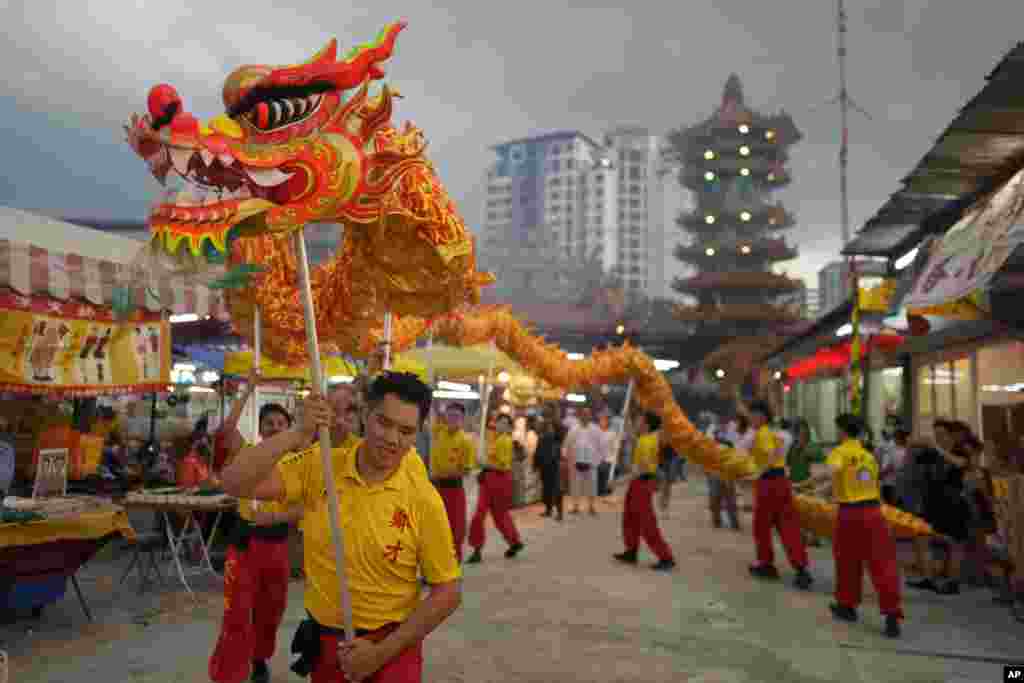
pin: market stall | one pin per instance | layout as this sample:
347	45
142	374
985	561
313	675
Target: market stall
74	328
78	325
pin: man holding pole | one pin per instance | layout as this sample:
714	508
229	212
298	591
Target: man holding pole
862	537
395	529
639	521
774	507
257	568
495	495
452	455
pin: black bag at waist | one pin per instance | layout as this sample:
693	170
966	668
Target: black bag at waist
306	642
773	473
647	477
449	483
245	530
874	502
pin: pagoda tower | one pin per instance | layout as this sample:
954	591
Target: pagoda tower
733	162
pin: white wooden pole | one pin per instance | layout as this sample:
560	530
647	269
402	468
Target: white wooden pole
387	341
485	396
622	429
313	349
257	359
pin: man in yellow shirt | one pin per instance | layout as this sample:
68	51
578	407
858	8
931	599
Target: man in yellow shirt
257	568
395	530
773	502
496	494
452	455
638	519
861	536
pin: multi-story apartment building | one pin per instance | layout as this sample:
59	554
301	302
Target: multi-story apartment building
557	200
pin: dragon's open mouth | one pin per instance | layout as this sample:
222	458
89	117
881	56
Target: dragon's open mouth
216	185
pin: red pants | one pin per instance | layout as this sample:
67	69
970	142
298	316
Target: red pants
639	521
862	538
495	497
455	505
255	597
405	668
774	509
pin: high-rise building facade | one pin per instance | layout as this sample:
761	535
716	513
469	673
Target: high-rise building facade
557	200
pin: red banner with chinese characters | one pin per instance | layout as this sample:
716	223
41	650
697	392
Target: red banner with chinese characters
74	349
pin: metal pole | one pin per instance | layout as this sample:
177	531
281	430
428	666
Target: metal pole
313	349
257	360
844	104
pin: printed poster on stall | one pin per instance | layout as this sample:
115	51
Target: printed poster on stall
78	349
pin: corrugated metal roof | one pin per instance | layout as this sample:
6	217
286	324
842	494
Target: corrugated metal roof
980	149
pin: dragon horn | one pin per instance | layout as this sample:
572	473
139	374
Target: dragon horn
348	73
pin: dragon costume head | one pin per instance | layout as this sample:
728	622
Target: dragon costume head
299	144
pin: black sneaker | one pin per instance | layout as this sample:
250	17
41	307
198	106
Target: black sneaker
764	571
513	550
843	613
664	565
474	558
803	580
949	588
629	557
260	672
892	626
924	585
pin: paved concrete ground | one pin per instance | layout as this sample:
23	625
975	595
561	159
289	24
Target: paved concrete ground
564	611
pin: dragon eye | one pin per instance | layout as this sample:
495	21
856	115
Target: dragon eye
283	111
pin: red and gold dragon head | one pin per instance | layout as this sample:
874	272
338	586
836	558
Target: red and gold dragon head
300	144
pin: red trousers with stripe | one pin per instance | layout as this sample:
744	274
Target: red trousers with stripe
405	668
639	521
862	538
495	497
774	509
455	505
255	597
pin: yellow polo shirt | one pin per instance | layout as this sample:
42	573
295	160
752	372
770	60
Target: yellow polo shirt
645	454
765	450
501	457
855	473
451	453
393	530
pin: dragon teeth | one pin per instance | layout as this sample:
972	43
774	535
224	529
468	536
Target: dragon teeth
207	156
180	158
267	177
226	159
276	114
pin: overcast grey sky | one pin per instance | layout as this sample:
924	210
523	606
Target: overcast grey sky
476	72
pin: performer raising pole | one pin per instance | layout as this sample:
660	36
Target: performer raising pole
397	526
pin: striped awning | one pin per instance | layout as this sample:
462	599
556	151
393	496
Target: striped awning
34	271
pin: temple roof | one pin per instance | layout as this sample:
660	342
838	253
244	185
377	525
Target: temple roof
738	280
